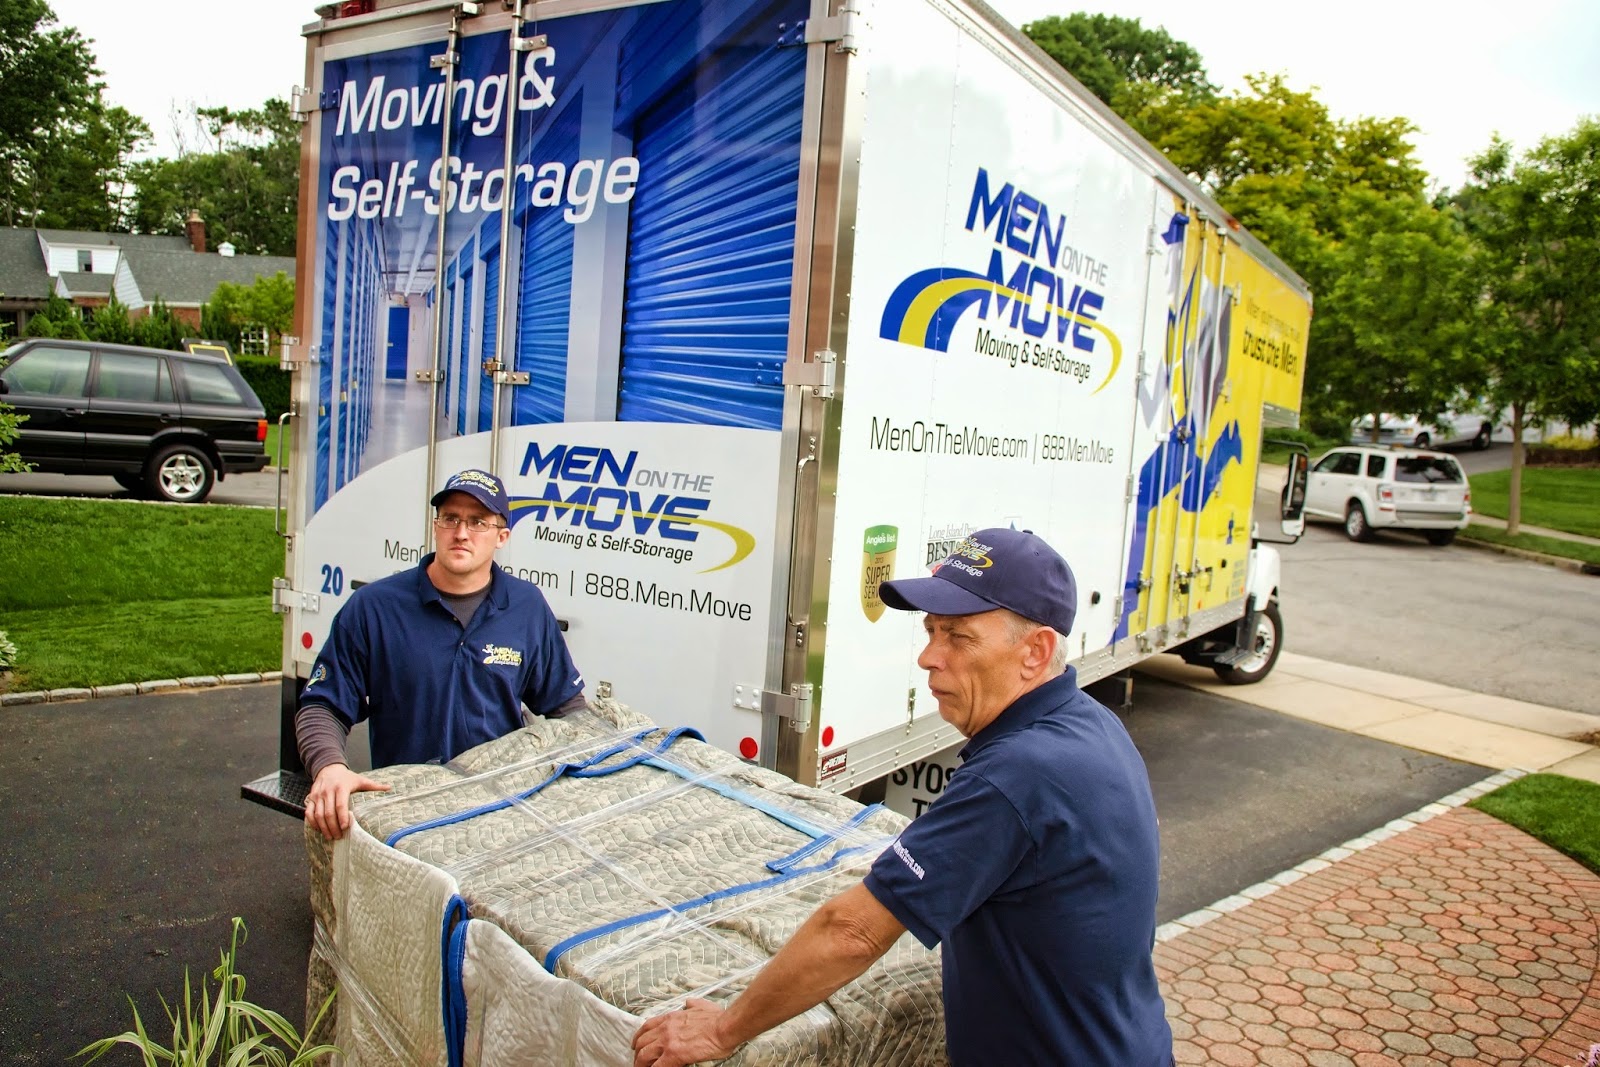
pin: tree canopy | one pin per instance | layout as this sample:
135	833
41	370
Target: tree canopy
1109	53
243	179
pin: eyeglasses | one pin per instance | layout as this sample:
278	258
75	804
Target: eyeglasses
476	525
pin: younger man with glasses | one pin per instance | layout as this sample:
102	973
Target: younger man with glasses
437	659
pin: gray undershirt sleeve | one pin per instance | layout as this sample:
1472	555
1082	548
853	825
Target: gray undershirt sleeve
320	735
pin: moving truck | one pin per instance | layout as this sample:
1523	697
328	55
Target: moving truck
754	305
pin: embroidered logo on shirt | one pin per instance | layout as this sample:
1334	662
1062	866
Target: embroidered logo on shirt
318	675
499	655
916	868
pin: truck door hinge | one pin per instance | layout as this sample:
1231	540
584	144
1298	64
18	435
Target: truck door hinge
302	103
425	376
840	29
815	374
286	599
498	374
795	705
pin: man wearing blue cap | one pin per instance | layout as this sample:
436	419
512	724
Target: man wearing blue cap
1036	869
437	659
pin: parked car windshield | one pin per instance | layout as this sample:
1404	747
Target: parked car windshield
1427	469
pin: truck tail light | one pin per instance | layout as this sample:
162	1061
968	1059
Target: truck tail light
1385	498
1466	499
261	429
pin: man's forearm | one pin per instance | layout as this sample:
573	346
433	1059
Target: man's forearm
834	947
320	736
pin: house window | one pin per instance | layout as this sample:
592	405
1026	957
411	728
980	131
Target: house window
85	261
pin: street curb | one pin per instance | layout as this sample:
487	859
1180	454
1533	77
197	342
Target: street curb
1198	918
1577	566
128	689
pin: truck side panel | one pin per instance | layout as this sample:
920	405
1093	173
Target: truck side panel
643	288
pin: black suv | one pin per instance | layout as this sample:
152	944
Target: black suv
169	424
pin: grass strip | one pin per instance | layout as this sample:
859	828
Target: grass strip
104	591
1559	498
1548	546
79	553
110	643
1558	810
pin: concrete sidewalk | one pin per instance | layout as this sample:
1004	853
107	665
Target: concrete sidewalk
1446	937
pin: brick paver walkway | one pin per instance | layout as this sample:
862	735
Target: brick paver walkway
1458	941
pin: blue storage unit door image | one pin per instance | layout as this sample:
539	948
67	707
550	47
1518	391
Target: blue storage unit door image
491	312
394	365
711	254
543	314
467	367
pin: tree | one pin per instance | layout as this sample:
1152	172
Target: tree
268	302
1109	54
81	174
58	319
46	79
244	181
1396	327
1537	221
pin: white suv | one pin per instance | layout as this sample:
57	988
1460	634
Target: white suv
1371	488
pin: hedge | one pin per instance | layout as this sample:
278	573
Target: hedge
269	381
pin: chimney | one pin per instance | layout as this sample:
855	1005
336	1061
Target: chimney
195	227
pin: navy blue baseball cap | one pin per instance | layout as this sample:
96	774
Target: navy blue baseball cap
994	568
481	486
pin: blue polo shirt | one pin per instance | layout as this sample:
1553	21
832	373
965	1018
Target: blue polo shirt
431	687
1037	870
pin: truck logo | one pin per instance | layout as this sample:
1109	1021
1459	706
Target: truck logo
1058	317
877	566
605	495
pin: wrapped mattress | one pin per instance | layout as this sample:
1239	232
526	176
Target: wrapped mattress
533	901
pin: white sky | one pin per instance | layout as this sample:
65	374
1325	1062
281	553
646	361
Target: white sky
1460	71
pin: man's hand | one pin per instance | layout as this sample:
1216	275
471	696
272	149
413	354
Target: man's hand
328	804
693	1035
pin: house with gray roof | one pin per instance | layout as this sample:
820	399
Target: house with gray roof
87	268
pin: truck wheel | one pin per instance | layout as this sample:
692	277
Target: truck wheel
1355	522
1268	643
1439	537
1481	442
1423	440
182	474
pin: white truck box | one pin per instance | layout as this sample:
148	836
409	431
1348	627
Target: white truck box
758	305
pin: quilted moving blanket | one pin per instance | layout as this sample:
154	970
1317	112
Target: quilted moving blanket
533	901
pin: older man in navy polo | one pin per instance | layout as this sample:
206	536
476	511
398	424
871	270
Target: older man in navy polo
437	659
1036	869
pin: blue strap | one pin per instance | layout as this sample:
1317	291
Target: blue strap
817	844
586	769
789	819
452	994
554	955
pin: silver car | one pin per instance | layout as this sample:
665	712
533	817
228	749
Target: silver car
1369	488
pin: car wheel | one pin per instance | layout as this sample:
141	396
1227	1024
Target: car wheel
1423	440
1268	643
180	473
1439	537
1481	442
133	483
1355	522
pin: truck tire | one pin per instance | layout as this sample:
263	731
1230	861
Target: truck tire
1423	440
1481	442
1355	522
182	474
1268	643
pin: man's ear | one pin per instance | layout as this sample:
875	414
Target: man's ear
1040	647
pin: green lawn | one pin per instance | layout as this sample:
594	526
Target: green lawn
1560	498
1549	546
1558	810
272	446
104	591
